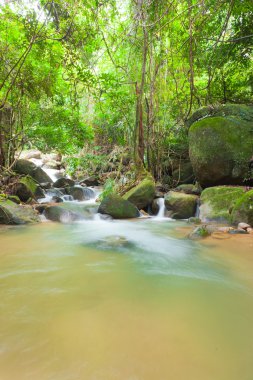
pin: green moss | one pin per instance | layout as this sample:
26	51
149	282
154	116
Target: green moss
241	111
180	205
118	207
29	183
220	149
142	194
217	202
243	209
11	213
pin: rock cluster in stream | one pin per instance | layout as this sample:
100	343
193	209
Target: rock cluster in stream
211	187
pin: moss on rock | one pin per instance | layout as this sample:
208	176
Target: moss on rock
220	150
217	203
143	194
11	213
27	188
243	209
118	207
180	205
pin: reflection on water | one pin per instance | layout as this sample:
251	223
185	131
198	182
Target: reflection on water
104	300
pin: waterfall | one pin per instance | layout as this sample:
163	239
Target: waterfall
161	205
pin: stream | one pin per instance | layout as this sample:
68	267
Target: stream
124	300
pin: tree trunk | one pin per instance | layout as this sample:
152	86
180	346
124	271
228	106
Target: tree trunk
139	144
6	124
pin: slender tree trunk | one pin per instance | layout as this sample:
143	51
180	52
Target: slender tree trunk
139	144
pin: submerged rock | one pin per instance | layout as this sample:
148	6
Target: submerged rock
199	233
29	168
221	146
243	209
143	194
12	213
180	205
90	181
118	207
69	212
60	214
114	242
217	203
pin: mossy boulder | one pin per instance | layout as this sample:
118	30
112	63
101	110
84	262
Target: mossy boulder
221	148
12	213
118	207
180	205
243	209
27	188
240	111
216	203
143	194
29	168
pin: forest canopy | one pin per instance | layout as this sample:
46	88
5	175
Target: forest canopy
113	72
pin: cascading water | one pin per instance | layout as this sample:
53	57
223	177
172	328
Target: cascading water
161	211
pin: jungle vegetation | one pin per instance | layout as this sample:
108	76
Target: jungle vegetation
88	75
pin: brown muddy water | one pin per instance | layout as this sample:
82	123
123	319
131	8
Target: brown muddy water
124	301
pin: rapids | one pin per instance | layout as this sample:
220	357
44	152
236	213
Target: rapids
123	300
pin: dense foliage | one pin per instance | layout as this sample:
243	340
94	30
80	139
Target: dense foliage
111	72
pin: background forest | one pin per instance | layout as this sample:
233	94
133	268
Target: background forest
82	77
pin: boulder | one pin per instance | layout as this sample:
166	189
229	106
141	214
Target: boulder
118	207
221	146
143	194
80	193
199	232
61	214
90	181
243	209
64	182
180	205
69	212
216	203
27	188
29	168
12	213
189	189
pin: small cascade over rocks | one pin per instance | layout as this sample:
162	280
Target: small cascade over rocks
161	205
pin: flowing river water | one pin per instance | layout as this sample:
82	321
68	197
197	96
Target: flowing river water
124	300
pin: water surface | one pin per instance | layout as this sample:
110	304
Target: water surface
103	300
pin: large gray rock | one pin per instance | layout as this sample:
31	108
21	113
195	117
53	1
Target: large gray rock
12	213
118	207
69	212
221	146
29	168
